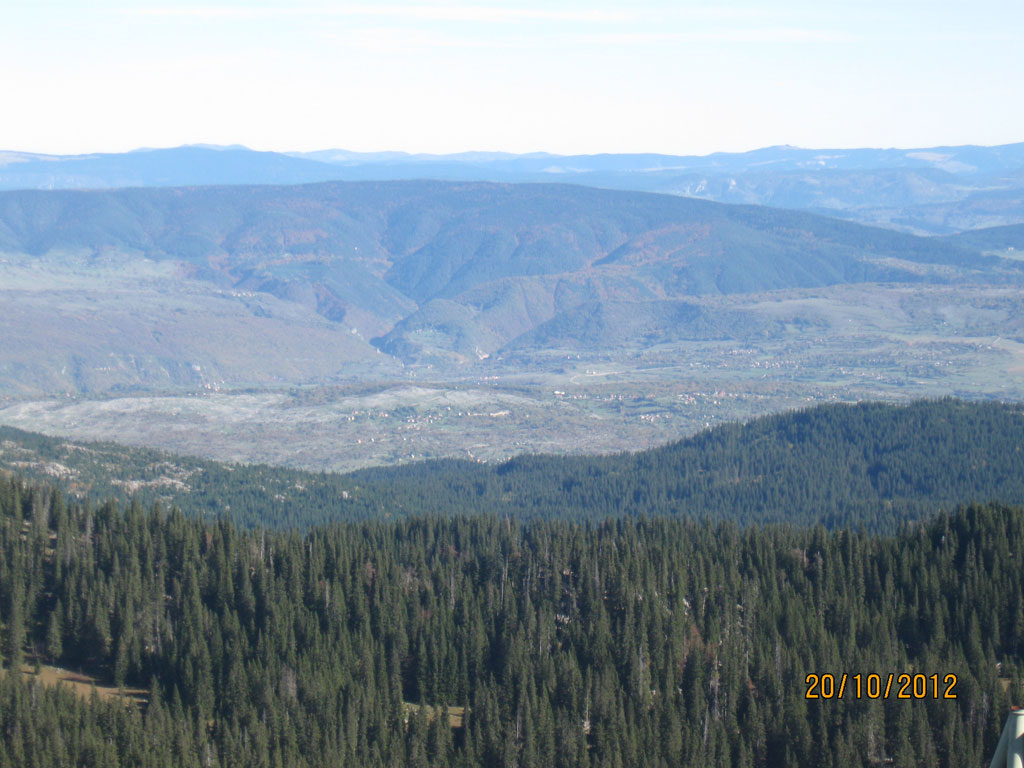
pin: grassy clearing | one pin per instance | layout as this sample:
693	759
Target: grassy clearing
456	715
83	685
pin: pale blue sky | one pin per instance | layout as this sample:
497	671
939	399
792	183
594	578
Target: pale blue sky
454	75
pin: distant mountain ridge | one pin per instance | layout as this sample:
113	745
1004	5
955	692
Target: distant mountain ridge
965	159
174	167
927	190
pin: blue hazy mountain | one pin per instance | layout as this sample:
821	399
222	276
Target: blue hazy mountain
177	167
956	160
936	190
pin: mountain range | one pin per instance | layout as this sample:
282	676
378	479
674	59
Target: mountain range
933	190
122	287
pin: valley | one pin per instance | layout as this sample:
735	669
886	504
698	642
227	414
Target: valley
891	343
344	325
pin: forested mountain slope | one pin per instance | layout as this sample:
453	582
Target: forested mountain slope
657	642
868	465
842	465
1009	237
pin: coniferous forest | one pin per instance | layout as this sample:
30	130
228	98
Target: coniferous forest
487	640
869	465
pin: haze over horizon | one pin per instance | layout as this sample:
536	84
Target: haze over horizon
516	77
472	150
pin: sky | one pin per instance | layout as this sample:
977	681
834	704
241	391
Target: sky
458	75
